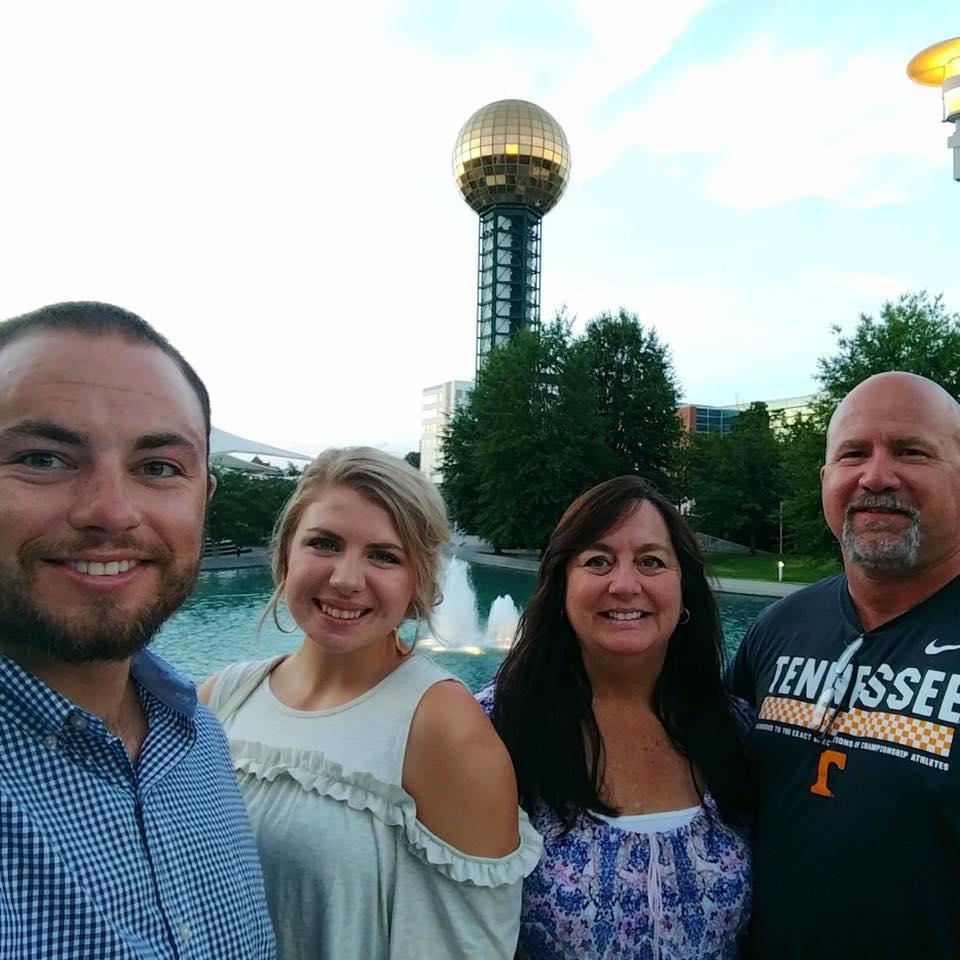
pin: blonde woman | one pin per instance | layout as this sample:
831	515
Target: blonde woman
383	803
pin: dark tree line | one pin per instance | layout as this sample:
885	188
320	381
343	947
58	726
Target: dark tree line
552	414
246	506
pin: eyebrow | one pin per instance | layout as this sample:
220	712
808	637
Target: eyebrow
386	545
153	441
57	433
905	441
913	441
641	548
48	430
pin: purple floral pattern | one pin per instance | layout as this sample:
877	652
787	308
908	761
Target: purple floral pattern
602	893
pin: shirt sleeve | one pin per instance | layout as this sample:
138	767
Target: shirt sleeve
451	906
741	678
485	697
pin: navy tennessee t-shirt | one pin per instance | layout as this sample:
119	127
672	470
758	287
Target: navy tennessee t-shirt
858	835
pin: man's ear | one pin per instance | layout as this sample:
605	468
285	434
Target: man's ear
211	486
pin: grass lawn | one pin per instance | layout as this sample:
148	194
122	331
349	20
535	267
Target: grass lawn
797	569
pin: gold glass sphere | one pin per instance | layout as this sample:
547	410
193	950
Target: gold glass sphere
512	151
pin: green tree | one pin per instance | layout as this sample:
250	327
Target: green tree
413	458
915	334
527	442
802	443
737	479
461	469
683	470
245	507
636	395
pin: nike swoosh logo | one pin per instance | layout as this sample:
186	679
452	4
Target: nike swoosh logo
932	647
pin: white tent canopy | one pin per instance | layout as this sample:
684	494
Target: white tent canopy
223	443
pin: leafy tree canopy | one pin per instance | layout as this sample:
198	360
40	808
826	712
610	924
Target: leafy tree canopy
550	416
245	507
737	481
636	394
527	441
915	334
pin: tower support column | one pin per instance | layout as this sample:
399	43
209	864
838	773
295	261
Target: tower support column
508	285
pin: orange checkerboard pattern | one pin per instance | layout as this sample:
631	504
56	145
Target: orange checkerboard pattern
934	738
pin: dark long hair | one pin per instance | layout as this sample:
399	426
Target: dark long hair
543	707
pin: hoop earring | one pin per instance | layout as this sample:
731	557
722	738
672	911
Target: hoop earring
684	613
402	649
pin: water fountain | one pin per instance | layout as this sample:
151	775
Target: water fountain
457	623
502	622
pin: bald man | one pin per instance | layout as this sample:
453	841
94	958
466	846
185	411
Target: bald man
856	680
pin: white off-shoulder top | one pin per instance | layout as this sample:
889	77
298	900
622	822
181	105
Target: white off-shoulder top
350	872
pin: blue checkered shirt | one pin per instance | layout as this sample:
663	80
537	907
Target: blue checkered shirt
101	860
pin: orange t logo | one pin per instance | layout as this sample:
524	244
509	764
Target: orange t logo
828	759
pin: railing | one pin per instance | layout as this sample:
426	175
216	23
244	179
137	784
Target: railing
223	548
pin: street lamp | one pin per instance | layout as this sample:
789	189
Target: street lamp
939	66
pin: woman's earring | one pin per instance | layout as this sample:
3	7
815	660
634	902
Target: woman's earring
684	617
401	647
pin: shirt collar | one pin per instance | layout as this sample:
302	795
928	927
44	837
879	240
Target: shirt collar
35	702
160	679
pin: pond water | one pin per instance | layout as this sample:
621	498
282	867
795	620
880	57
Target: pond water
474	624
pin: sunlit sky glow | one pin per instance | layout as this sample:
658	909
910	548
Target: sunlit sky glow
270	185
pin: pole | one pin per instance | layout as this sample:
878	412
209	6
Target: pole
781	528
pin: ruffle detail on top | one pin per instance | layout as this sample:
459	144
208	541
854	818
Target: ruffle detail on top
391	805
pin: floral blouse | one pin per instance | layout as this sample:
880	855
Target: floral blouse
601	892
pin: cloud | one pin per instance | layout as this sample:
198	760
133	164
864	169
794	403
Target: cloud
770	124
624	41
868	287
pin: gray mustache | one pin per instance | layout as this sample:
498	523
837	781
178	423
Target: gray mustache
881	501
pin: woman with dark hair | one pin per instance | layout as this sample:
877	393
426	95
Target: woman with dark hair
629	754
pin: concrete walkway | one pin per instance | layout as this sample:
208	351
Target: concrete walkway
527	560
756	588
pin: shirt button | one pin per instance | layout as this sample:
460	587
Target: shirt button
78	721
51	742
185	931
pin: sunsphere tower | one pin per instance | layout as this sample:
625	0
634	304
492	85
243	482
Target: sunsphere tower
511	163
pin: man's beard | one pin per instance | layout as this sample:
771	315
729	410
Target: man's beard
107	629
881	549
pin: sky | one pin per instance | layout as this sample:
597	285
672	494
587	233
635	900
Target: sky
270	185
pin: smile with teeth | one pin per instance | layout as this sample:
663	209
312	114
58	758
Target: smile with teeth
624	614
96	569
339	614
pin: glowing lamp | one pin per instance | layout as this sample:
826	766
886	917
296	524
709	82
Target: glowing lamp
939	66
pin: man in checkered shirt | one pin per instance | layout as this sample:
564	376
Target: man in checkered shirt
122	832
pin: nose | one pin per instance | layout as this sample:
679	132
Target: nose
879	473
347	574
105	500
623	580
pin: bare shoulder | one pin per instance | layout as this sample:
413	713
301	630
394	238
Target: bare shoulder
460	774
206	689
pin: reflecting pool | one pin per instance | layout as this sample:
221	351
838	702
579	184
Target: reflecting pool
474	624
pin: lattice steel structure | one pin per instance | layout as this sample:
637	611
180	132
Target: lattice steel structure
512	164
